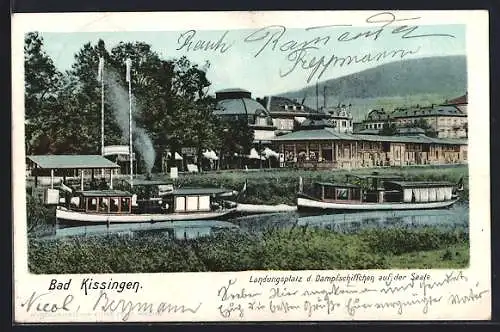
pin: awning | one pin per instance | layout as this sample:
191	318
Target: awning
72	162
254	155
176	156
210	155
270	153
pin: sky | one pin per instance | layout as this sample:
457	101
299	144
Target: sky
272	60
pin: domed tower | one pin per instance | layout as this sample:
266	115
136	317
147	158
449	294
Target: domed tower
236	104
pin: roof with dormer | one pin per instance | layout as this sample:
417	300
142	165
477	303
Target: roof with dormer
439	110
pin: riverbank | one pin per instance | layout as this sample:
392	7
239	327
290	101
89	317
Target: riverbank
273	187
300	248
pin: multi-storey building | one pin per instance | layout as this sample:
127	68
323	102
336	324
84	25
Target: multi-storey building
340	118
288	114
445	121
376	119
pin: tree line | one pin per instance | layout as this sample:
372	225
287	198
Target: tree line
63	109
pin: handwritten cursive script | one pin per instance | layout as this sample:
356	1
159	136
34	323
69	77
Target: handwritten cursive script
395	293
303	53
105	303
321	49
188	42
40	303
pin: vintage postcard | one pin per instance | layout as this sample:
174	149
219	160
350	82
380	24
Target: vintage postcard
251	166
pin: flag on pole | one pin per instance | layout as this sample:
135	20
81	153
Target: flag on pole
128	63
101	68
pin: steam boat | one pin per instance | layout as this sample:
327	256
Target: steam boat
153	201
379	193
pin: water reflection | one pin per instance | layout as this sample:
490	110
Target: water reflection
456	217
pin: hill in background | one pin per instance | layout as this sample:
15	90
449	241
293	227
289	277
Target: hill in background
402	83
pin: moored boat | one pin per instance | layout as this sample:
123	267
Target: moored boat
381	194
119	206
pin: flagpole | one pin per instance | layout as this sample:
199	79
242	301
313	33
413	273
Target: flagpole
101	66
129	64
101	76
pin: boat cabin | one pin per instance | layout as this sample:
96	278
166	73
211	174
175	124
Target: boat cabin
331	192
417	192
193	199
102	201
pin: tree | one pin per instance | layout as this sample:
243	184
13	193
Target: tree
422	123
236	137
171	97
389	129
171	105
42	81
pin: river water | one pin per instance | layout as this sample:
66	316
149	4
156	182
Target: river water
456	217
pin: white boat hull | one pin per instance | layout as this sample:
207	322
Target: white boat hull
258	208
66	215
305	203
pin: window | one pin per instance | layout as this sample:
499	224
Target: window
329	192
103	204
204	203
125	204
113	205
180	203
191	203
92	204
342	193
261	121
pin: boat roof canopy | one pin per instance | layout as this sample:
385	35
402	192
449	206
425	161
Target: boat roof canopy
105	193
420	184
72	162
145	182
338	185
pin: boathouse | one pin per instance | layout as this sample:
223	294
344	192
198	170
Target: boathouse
72	168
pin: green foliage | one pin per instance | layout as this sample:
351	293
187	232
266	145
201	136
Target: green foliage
397	241
39	216
290	249
452	257
63	111
422	123
237	137
389	129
